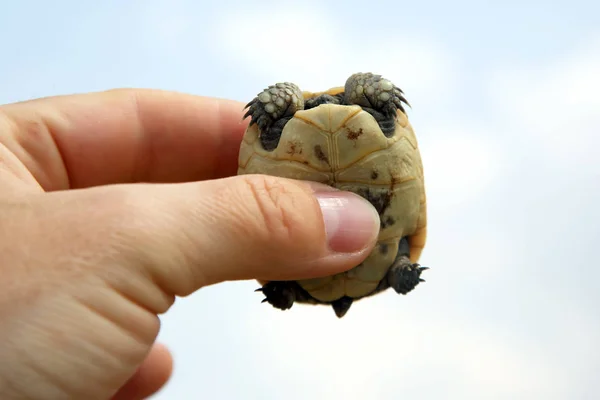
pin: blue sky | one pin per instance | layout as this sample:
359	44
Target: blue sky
506	110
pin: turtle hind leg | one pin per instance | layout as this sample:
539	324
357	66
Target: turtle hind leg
283	294
403	275
341	306
377	96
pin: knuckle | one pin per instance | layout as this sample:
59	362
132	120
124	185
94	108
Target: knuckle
283	211
146	232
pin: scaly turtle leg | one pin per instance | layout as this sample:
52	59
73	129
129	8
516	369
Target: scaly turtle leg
283	294
403	275
377	96
272	109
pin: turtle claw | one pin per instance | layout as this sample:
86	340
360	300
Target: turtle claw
279	294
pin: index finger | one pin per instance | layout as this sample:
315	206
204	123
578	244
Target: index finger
126	136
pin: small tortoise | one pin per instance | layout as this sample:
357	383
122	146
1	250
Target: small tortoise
355	138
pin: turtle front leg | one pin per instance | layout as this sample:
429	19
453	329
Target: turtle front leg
403	275
272	109
377	96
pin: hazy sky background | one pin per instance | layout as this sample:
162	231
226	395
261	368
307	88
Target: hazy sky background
506	109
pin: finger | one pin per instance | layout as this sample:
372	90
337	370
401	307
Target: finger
123	136
150	377
187	236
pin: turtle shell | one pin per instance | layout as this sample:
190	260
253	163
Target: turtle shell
344	146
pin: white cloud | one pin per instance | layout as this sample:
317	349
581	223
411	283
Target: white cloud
557	104
308	46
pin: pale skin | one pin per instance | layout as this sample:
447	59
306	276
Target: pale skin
91	255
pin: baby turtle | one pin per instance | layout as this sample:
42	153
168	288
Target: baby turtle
355	138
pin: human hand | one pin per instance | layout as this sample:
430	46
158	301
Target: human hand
112	204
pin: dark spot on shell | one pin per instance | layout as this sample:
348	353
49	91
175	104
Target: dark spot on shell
374	174
383	248
353	135
320	155
379	199
387	221
294	148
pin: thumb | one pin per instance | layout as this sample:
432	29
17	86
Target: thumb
187	236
